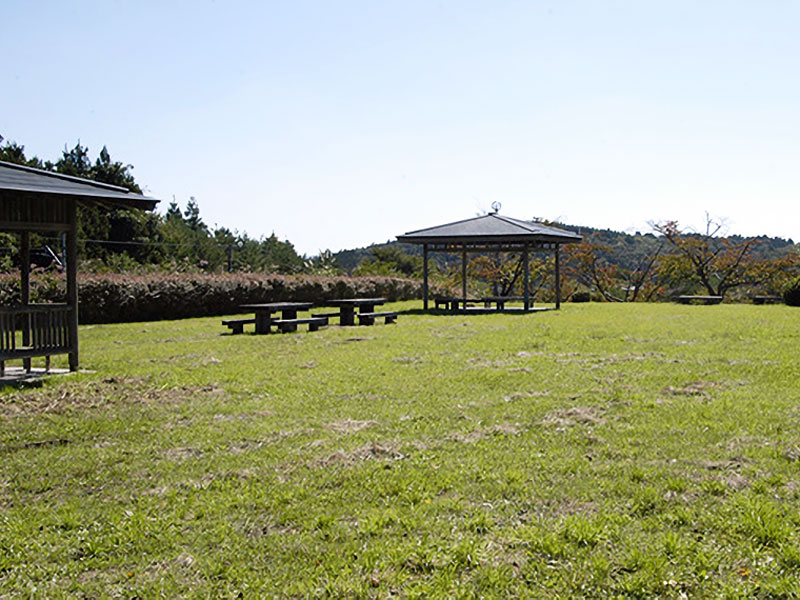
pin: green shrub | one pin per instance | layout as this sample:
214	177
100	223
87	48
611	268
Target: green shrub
115	298
791	293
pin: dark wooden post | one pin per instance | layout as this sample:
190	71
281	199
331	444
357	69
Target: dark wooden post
526	294
464	278
425	277
25	290
558	279
72	284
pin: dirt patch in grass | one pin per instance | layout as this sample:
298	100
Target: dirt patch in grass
522	395
182	453
386	450
693	389
577	415
96	394
501	429
349	425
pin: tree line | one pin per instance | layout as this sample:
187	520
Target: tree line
124	239
607	265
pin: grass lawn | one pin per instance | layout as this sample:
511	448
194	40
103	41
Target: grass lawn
646	450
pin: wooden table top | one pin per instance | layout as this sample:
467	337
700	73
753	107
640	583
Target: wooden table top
277	306
355	301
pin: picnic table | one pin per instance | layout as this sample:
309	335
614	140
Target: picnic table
366	310
288	310
685	299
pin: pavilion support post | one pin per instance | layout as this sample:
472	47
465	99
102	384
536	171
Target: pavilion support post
25	290
526	292
425	277
558	278
464	278
72	284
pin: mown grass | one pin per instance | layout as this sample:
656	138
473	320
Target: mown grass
601	451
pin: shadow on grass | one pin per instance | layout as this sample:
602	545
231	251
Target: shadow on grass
474	312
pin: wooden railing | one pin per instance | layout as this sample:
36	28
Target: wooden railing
34	330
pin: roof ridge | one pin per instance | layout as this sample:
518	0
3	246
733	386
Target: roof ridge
512	221
448	224
65	177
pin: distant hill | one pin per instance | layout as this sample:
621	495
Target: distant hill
625	249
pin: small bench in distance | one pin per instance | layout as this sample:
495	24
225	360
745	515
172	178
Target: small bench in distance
703	299
286	325
237	325
369	318
766	299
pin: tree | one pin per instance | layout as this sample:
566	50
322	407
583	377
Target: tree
715	264
390	262
590	263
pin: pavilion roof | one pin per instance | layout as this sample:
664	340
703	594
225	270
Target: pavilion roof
27	180
490	229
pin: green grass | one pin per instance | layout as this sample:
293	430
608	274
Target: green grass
631	451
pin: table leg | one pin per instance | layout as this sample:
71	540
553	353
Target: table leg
346	315
290	314
263	320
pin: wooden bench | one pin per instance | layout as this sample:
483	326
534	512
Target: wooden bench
237	325
703	299
766	299
329	315
313	323
369	318
452	304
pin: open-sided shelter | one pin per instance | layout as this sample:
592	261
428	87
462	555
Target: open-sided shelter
491	233
32	200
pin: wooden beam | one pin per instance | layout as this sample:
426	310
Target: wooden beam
72	284
425	277
526	294
464	278
558	280
25	290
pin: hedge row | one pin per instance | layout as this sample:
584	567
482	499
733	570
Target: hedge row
113	298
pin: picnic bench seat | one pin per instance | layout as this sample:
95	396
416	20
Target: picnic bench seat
703	299
328	315
313	323
237	325
369	318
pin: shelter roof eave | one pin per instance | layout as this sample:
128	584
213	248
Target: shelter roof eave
24	181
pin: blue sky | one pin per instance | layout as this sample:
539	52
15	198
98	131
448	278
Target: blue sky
335	124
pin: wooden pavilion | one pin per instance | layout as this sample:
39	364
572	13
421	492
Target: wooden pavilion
32	200
491	233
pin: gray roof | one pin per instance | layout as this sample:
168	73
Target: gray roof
27	180
491	228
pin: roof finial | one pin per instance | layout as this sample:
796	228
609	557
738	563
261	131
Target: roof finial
496	207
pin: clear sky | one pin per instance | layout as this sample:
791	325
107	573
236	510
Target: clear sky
338	123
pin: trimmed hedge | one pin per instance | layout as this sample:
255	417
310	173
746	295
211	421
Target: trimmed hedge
115	298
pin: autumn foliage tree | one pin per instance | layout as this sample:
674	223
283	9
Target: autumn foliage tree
717	264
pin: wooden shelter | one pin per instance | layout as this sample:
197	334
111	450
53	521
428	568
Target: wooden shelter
491	233
32	200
